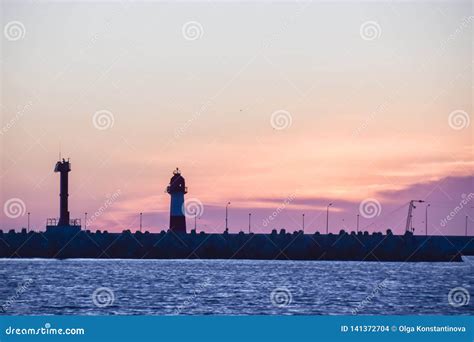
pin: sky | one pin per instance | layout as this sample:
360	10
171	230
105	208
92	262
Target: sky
277	107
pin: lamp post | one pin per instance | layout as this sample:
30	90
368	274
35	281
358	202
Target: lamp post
426	219
466	225
327	218
195	220
85	221
466	222
250	220
303	223
358	217
28	226
141	214
227	216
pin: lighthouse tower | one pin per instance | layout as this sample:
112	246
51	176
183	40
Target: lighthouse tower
64	225
177	189
63	167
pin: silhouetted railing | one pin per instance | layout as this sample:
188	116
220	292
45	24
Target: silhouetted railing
54	221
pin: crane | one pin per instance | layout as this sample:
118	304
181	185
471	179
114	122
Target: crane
411	206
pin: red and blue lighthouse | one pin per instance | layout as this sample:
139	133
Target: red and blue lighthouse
177	189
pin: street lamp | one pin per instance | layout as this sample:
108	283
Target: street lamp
85	220
466	221
466	224
327	218
250	220
227	216
195	220
358	217
141	214
303	223
28	227
426	219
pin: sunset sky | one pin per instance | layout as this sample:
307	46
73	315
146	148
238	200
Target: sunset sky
255	102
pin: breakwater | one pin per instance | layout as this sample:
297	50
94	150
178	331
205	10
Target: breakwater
277	245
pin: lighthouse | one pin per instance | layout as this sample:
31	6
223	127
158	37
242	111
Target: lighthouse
64	225
63	167
177	189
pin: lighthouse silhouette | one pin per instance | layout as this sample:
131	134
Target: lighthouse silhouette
177	189
63	167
